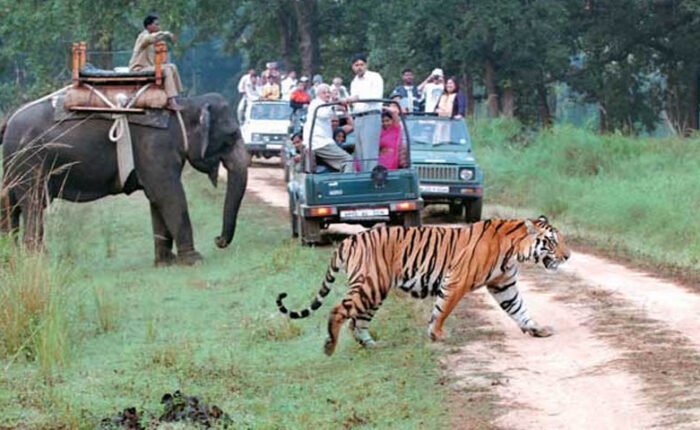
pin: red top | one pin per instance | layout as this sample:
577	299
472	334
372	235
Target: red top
300	96
389	144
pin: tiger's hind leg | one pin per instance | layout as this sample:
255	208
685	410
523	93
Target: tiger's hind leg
360	328
511	301
357	306
339	314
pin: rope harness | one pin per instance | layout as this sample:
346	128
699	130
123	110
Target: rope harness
121	134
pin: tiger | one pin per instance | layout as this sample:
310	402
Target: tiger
446	262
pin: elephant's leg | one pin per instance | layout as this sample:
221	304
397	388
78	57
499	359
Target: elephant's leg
162	238
170	202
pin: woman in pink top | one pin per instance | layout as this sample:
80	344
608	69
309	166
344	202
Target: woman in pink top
390	140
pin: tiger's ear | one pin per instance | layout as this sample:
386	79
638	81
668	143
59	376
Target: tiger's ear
543	219
530	227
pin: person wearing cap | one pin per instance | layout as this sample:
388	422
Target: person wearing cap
398	98
410	96
321	142
368	124
432	88
315	82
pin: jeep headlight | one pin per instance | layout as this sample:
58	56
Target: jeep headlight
466	174
255	137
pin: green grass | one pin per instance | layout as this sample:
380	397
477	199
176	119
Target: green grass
124	333
638	196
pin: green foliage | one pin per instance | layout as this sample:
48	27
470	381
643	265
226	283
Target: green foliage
214	331
633	195
633	59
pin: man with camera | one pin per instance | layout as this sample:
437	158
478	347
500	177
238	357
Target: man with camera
432	88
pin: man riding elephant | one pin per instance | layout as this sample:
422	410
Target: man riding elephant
142	59
74	159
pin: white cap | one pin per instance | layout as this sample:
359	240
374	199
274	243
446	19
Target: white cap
304	79
437	72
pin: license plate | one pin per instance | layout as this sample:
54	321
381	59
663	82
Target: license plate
364	213
435	188
274	146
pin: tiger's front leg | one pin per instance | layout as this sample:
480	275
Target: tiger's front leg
448	297
511	301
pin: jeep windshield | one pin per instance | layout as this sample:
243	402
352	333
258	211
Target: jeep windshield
270	111
437	131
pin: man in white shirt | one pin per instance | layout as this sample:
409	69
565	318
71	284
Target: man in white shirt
245	89
432	88
321	142
368	125
288	84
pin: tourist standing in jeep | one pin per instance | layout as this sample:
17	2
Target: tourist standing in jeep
366	85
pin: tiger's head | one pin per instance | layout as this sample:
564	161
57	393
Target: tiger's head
548	245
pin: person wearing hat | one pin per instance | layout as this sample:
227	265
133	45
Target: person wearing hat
432	88
315	82
398	98
368	124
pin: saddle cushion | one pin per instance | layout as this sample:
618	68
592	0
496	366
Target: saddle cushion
119	95
90	71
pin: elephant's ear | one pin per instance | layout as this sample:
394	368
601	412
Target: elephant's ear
204	125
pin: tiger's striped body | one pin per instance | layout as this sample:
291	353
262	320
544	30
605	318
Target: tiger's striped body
436	261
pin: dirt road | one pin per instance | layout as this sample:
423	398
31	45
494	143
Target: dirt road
625	354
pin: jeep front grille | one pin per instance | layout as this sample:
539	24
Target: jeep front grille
438	173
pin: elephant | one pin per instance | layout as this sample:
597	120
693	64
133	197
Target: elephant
74	160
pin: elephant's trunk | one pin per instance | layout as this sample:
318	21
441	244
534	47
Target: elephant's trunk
236	166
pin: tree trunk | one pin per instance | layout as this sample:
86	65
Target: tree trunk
602	118
286	26
468	85
543	106
508	101
307	22
491	91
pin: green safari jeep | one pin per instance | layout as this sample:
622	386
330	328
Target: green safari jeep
319	196
449	173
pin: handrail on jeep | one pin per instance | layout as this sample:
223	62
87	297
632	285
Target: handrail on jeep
310	153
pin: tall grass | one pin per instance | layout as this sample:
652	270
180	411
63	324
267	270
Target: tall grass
636	195
33	299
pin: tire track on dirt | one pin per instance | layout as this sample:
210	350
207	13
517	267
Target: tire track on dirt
564	381
660	300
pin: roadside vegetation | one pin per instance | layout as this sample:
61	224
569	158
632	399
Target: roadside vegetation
631	196
91	328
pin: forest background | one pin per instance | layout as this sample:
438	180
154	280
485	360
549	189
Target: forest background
626	65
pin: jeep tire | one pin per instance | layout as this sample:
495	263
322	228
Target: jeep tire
309	231
472	210
412	219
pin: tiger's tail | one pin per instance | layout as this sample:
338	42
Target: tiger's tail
337	262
